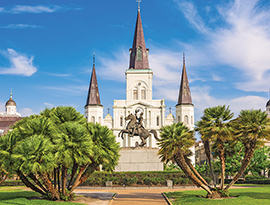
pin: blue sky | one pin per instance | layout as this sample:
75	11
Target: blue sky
46	51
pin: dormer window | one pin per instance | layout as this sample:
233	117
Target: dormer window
139	53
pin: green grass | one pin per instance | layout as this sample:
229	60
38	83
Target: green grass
252	196
252	185
16	196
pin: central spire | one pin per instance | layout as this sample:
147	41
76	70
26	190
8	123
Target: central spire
138	52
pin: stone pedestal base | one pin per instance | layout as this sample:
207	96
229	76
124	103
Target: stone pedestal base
139	159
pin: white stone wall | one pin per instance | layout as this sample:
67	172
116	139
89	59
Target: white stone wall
94	113
185	113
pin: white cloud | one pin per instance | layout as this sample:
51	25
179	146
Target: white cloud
20	26
69	90
112	68
241	41
20	64
202	99
17	9
25	112
59	74
49	105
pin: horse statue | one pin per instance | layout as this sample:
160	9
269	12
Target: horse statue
132	129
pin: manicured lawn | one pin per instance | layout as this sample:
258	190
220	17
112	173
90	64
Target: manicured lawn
11	195
252	196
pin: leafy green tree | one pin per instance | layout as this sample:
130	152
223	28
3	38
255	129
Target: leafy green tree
222	138
252	128
259	162
218	132
42	149
175	143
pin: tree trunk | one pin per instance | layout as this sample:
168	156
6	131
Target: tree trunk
248	156
54	178
34	178
89	170
3	178
73	172
77	180
180	160
58	179
206	145
28	183
195	171
222	161
64	180
47	183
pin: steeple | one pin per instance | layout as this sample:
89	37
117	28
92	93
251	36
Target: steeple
138	52
184	92
93	97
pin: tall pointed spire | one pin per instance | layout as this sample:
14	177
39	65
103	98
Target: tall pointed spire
93	97
138	52
184	92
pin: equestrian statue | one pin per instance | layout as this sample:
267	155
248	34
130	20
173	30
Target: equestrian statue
135	127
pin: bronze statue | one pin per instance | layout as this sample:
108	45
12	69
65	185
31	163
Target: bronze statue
135	127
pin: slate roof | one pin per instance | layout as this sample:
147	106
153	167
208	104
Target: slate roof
93	97
138	52
184	92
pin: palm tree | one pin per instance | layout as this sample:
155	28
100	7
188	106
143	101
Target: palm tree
105	152
35	157
217	131
252	128
201	127
175	143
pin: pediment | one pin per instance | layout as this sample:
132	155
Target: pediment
140	103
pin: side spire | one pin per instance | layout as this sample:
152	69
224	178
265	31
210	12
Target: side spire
93	97
138	52
184	92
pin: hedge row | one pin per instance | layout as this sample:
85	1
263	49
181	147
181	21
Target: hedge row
137	178
12	183
253	181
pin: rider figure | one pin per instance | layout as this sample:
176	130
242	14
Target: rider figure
138	124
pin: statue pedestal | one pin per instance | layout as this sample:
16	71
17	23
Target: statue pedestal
139	159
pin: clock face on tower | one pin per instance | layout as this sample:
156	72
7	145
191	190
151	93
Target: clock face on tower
139	110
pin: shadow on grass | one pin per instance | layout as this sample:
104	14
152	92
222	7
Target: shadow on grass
17	194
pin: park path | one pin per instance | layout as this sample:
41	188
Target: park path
139	197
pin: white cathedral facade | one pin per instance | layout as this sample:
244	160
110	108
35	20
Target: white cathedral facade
139	95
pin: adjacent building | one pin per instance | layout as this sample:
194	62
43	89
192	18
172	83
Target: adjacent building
9	116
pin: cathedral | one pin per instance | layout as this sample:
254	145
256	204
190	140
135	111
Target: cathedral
139	92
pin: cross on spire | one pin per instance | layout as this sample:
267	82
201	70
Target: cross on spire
94	59
139	1
170	109
11	94
108	111
184	58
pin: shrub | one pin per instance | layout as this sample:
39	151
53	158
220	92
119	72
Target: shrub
142	178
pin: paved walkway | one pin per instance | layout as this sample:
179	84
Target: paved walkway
133	196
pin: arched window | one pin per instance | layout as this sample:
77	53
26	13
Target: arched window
135	94
93	119
149	118
139	53
121	121
99	120
178	118
192	120
143	94
186	119
157	120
